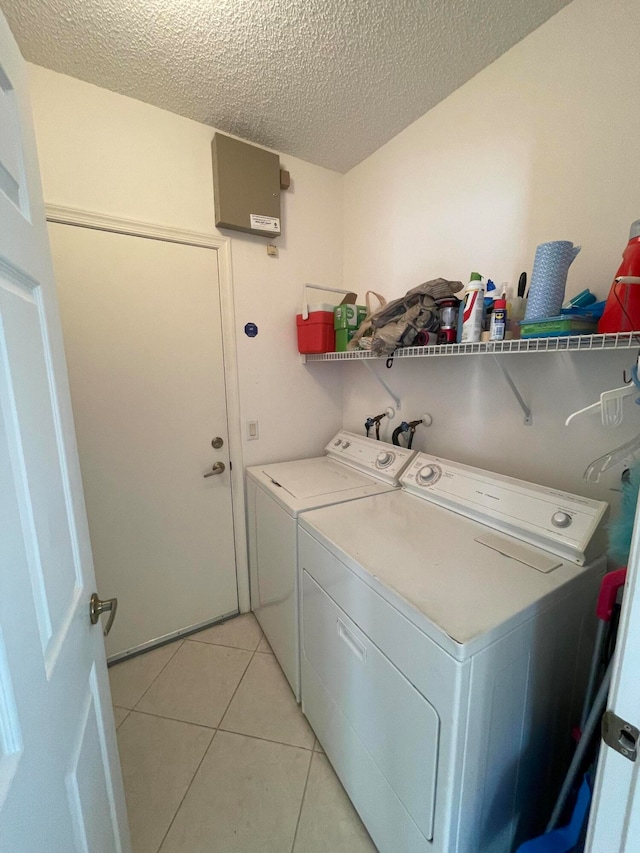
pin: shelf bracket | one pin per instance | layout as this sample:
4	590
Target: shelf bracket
379	378
528	417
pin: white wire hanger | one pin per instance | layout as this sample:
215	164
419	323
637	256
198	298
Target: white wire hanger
610	404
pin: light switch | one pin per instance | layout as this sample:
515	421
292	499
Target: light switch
252	430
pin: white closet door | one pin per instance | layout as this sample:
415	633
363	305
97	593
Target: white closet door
615	814
142	333
60	782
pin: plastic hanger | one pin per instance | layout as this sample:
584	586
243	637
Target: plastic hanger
610	404
619	454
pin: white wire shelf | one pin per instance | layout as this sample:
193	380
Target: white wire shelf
573	343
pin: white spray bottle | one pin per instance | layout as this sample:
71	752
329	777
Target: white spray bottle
473	309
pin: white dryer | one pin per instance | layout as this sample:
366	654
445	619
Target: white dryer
354	467
446	631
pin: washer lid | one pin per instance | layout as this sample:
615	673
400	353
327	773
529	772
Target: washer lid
311	478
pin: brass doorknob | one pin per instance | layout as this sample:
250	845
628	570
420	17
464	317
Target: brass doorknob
97	607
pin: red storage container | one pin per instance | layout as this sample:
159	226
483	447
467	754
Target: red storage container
622	311
316	334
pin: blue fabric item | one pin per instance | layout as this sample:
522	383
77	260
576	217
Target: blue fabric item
621	528
549	278
563	840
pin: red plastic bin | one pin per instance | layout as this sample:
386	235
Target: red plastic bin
316	334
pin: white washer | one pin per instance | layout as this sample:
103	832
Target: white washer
446	632
354	467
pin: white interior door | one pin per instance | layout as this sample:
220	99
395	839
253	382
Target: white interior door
142	334
615	815
60	783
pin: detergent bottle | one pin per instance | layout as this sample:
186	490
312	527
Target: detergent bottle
622	311
473	309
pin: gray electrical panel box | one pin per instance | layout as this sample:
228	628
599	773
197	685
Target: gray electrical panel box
246	187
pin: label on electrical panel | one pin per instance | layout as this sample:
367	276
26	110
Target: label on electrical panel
264	223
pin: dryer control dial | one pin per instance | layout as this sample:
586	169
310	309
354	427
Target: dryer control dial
346	444
428	475
337	442
561	519
384	459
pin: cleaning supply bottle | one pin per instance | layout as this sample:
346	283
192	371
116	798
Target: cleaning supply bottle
498	320
516	307
473	309
460	321
490	294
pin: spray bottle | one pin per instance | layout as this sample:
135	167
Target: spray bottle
473	309
491	293
498	320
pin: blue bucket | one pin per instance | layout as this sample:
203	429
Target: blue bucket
563	840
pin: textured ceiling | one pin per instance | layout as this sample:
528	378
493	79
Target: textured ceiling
329	81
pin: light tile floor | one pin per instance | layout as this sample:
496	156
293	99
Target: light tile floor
218	758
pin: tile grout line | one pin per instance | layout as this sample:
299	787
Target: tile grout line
174	719
128	710
182	642
265	739
192	639
188	788
206	750
238	685
218	728
178	646
304	794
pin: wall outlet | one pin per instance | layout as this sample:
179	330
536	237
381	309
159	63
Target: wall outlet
252	431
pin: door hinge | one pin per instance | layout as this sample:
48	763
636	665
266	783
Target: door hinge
620	735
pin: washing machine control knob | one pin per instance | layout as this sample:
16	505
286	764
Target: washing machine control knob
346	444
337	442
561	519
428	474
385	459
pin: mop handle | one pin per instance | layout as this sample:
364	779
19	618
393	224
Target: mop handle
609	587
588	732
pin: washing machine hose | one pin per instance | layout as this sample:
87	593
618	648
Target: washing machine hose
405	427
375	420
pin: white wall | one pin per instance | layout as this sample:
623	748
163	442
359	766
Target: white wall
541	145
110	154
